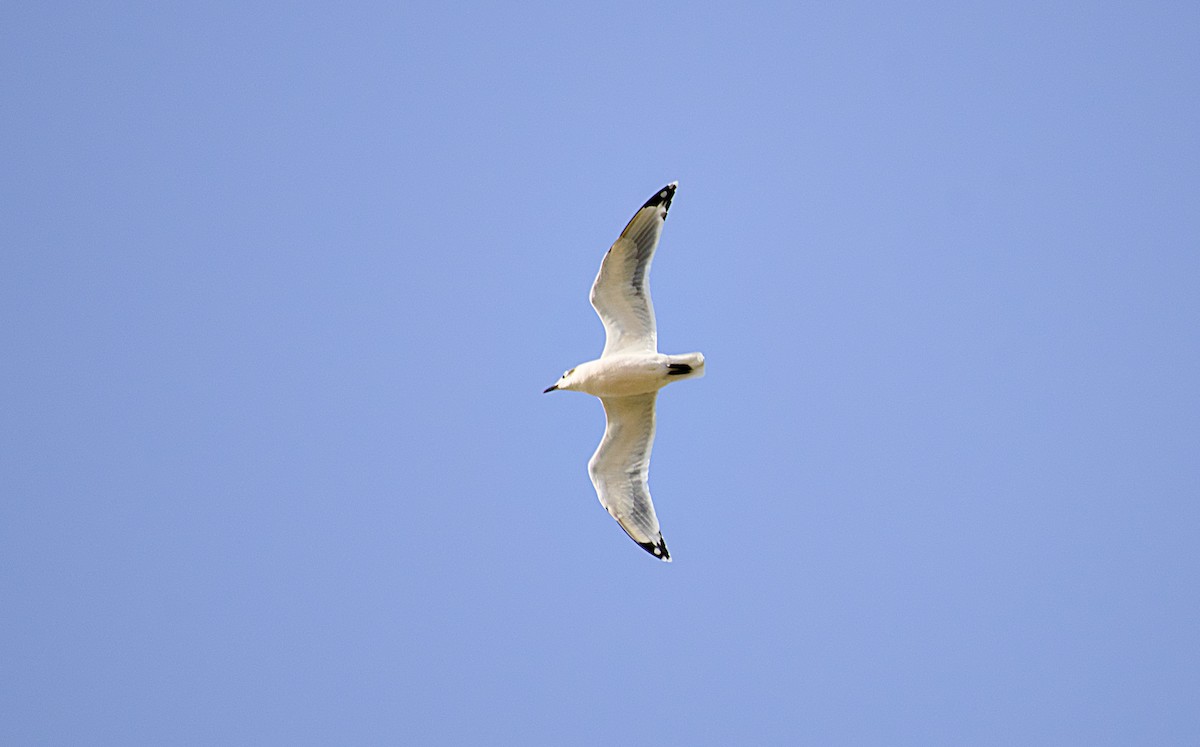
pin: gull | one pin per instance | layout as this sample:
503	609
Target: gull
628	375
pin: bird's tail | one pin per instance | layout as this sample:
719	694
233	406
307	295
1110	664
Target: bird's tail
686	366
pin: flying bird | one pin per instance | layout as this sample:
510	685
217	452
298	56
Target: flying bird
629	373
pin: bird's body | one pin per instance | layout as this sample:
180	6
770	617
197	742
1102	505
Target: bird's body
629	373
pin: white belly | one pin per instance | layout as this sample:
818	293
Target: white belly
625	375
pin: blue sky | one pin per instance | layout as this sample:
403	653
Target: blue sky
282	285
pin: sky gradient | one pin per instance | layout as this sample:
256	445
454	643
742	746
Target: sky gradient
282	285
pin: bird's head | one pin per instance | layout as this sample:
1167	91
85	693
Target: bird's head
566	381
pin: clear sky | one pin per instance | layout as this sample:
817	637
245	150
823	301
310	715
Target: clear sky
281	286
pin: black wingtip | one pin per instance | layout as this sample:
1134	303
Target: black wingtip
657	549
663	197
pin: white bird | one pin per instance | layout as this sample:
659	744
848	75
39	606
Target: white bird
629	373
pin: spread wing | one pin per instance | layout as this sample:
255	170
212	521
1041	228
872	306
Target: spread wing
621	466
621	293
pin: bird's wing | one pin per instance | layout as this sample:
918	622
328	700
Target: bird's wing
621	293
621	466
